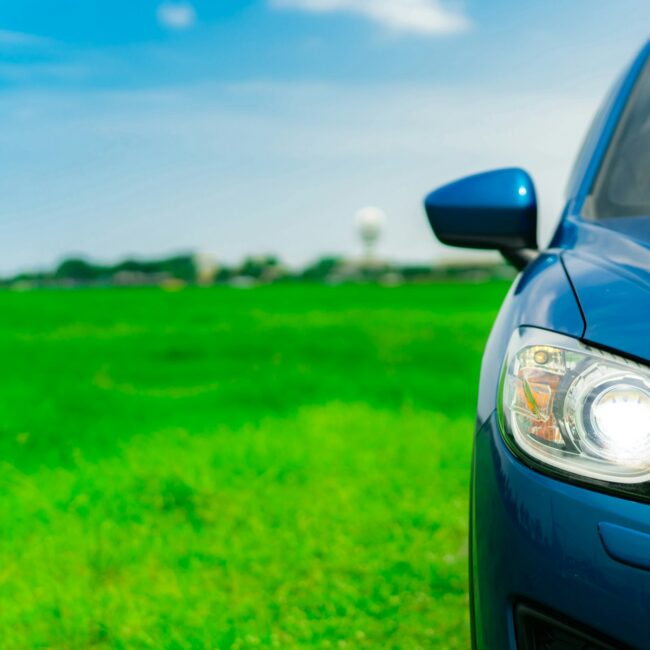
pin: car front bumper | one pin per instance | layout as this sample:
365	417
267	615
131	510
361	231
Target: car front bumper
536	543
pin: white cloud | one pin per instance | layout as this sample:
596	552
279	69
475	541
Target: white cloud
416	16
177	15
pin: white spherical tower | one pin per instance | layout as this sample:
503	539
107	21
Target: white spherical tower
370	222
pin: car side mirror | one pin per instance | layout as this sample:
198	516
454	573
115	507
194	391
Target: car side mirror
493	210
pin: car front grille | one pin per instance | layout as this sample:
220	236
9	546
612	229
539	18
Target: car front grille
540	631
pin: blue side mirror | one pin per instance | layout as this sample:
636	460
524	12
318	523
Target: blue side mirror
493	210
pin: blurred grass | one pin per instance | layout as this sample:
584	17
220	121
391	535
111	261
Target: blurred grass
282	467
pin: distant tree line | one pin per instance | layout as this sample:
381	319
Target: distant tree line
197	269
181	267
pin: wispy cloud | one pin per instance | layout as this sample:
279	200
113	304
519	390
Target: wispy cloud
164	169
429	17
39	73
11	38
177	15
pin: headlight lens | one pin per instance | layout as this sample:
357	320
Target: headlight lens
577	408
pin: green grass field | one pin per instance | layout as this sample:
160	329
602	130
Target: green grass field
285	467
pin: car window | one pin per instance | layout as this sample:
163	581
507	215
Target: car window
622	188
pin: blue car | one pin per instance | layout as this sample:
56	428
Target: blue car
560	497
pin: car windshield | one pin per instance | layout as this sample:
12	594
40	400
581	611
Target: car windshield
622	188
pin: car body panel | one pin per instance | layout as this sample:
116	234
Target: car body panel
537	540
616	304
610	272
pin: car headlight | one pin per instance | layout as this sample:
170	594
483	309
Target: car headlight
577	408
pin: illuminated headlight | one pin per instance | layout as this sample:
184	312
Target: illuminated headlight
577	408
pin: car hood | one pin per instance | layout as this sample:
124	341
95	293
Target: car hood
610	272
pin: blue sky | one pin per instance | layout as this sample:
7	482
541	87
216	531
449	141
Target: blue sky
236	127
